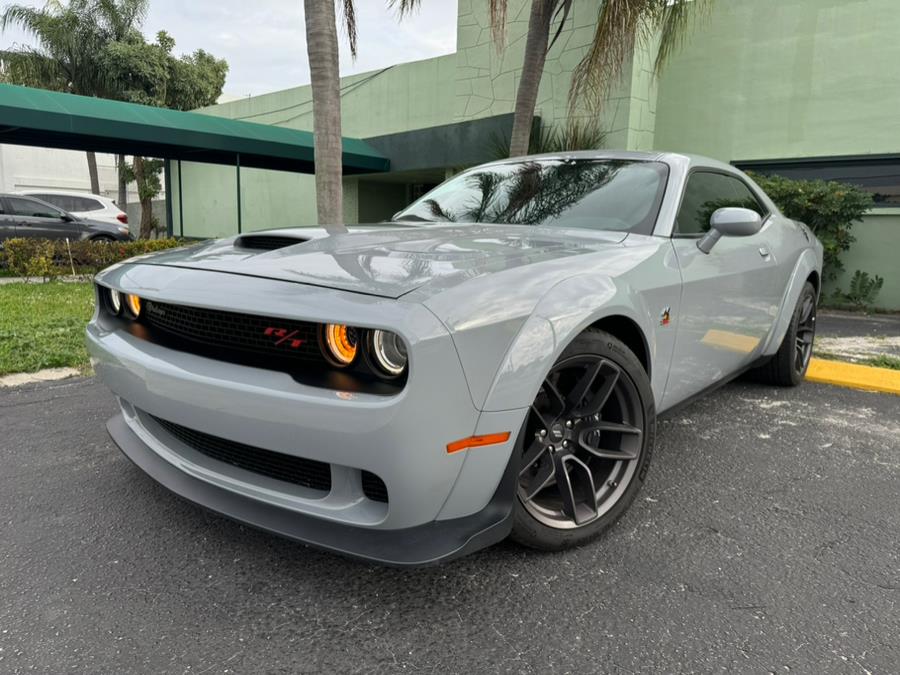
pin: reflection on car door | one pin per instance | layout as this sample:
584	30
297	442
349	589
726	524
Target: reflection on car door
40	220
730	297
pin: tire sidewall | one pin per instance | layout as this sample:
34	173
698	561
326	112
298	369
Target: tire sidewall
531	532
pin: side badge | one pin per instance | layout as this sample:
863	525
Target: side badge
664	316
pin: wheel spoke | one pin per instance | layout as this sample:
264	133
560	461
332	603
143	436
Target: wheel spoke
576	488
597	399
532	454
541	479
594	432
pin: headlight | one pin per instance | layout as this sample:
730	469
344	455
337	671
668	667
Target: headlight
134	305
341	343
389	352
115	301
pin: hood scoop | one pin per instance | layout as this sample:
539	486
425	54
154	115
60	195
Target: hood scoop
267	242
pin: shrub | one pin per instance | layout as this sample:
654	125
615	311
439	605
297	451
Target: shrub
46	258
863	290
828	208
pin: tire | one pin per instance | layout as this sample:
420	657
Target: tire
545	519
103	239
787	367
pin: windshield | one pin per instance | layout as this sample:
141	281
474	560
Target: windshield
602	194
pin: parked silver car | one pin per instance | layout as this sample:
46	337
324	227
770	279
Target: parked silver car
490	363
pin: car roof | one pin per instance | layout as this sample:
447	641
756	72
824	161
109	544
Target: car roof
66	193
684	160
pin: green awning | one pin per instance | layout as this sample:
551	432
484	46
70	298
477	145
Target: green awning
51	119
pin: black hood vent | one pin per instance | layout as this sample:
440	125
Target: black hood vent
267	242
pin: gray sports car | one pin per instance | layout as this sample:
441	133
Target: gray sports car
489	363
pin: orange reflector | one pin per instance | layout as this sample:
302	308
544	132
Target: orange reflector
477	441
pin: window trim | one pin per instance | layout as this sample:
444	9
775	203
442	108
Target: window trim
767	212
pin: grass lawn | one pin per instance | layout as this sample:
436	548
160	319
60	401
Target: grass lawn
42	326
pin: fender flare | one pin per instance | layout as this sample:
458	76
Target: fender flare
806	264
563	313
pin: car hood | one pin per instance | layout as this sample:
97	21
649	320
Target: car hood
389	261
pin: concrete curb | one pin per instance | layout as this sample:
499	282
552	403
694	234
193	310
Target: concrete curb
47	375
854	376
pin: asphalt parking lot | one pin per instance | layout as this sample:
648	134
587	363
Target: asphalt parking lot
767	539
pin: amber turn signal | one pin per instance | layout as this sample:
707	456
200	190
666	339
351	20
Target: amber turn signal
477	442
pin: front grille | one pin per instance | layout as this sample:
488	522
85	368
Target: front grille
297	470
264	242
261	337
373	487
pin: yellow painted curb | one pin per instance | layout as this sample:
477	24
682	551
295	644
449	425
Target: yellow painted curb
854	376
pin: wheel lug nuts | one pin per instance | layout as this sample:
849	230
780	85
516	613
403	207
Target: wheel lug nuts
569	424
542	432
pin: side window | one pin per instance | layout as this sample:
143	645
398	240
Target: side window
29	207
706	192
85	204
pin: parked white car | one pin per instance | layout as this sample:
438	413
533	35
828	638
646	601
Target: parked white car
83	205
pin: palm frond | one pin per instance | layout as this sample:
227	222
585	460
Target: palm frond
348	18
618	25
675	21
404	7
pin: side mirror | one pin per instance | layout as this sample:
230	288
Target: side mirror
67	218
730	222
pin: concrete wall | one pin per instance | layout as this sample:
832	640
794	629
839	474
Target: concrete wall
773	79
25	168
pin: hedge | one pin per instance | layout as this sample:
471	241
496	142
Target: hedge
54	257
829	209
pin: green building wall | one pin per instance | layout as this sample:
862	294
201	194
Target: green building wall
775	79
767	79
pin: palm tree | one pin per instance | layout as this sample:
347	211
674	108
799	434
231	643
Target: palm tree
322	50
70	39
620	24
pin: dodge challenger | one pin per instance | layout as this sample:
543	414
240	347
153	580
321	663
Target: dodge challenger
489	363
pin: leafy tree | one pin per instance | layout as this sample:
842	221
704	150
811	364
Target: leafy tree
69	41
148	73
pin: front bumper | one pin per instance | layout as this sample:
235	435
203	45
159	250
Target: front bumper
427	544
440	505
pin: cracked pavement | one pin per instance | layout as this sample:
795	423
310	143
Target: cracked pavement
766	539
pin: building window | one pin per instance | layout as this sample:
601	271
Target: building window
878	174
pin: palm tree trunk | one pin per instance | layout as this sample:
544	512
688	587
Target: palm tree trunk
530	80
146	228
123	185
322	48
92	171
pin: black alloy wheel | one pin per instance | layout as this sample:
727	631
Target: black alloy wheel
585	445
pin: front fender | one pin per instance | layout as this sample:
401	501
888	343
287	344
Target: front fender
566	310
807	263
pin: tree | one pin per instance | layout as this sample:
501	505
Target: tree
148	73
620	25
322	51
69	39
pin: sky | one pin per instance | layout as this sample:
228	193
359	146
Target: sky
264	41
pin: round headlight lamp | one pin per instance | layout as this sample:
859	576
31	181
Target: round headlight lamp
341	342
115	301
389	352
134	305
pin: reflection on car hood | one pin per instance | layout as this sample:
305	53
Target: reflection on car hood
391	261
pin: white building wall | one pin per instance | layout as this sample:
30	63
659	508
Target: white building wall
26	168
